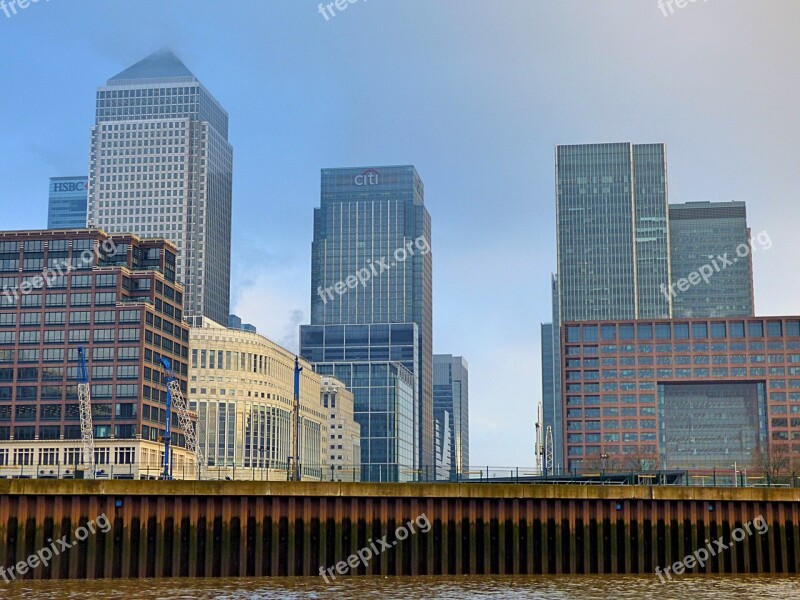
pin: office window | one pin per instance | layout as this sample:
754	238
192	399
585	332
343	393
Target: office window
718	330
699	331
608	332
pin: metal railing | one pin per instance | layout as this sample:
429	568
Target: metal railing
275	471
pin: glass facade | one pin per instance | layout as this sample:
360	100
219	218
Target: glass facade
376	363
613	247
66	208
651	231
235	322
702	233
711	423
551	378
372	263
451	408
161	166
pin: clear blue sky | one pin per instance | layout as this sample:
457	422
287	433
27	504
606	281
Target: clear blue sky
475	94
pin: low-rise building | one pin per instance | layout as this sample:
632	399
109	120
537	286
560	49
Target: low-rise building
242	386
344	433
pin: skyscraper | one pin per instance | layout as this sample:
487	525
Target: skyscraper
701	233
371	264
613	249
551	376
451	407
613	236
66	207
161	166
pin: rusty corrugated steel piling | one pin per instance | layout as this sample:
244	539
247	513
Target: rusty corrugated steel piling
255	529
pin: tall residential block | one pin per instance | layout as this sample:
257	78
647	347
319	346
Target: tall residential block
161	166
372	264
66	206
118	298
241	385
451	408
715	236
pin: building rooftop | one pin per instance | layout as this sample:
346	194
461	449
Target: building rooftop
162	64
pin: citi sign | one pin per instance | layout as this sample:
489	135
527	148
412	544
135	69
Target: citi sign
368	177
69	186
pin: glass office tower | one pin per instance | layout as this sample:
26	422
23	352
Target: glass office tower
700	233
66	207
551	376
451	407
613	235
372	264
378	364
161	166
613	249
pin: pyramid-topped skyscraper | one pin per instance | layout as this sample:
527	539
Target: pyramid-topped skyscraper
161	166
159	65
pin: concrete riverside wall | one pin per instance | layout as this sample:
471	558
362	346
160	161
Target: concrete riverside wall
220	529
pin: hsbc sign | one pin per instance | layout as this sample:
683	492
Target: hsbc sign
368	177
69	186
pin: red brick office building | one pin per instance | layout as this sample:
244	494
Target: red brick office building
115	295
696	394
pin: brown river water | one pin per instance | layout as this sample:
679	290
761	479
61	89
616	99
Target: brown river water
407	588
